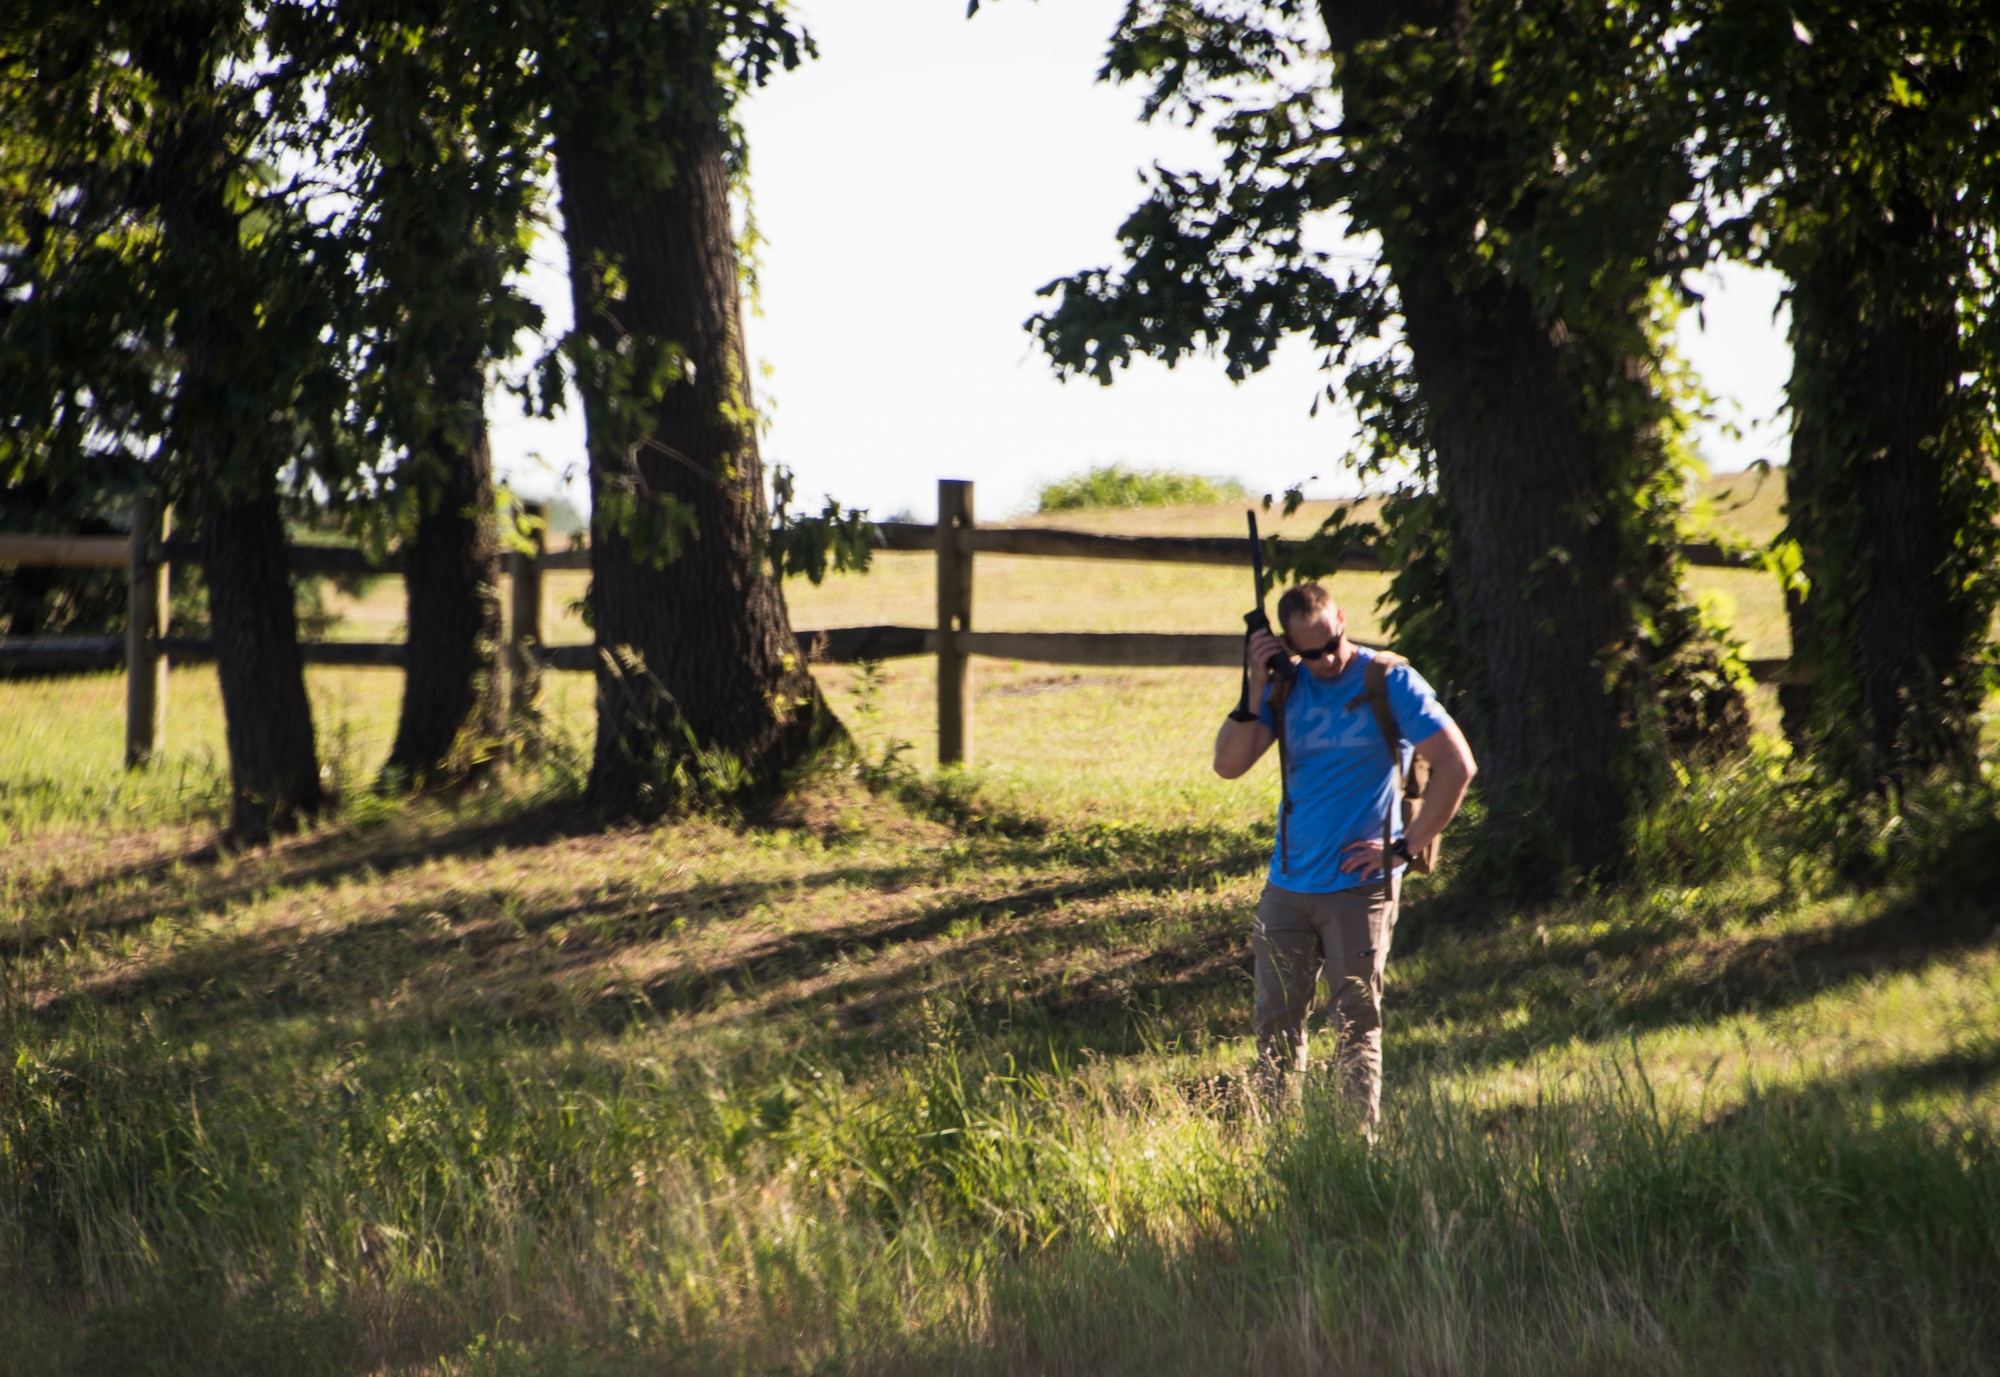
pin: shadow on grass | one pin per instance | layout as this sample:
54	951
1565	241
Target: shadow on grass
329	856
1958	1072
985	924
202	1330
415	973
464	957
100	904
1649	972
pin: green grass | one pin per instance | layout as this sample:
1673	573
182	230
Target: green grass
917	1072
908	1079
62	744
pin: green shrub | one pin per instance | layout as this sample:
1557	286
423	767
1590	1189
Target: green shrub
1740	815
1114	485
1766	811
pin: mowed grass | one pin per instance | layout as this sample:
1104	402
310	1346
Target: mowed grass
62	745
1086	741
914	1072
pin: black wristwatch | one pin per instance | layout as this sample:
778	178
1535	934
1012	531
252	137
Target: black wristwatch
1242	715
1400	849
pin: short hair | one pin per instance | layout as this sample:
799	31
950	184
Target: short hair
1302	600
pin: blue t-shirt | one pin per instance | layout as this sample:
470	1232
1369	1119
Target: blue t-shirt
1342	781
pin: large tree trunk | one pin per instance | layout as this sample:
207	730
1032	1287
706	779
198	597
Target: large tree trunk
1544	588
697	650
1551	577
1882	500
273	770
1796	698
451	569
273	761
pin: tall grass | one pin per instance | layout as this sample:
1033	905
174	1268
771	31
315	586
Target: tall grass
1588	1234
945	1073
539	1207
1115	485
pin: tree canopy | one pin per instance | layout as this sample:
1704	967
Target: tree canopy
267	251
1531	188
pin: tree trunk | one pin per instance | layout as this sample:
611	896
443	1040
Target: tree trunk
451	697
273	770
1550	575
273	761
1889	513
1796	700
698	660
1543	586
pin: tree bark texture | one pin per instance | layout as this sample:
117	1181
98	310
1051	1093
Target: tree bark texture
1545	595
716	658
1879	502
273	768
451	694
1796	700
223	425
1546	579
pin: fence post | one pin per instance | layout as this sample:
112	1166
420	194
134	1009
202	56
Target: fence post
526	634
954	614
145	625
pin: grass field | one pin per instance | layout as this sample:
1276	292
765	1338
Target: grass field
913	1073
1021	594
1018	594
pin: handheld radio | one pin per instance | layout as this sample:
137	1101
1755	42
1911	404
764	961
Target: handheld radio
1282	668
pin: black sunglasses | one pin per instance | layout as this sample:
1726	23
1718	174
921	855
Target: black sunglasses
1318	652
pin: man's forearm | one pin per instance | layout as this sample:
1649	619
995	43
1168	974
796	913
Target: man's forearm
1238	745
1450	778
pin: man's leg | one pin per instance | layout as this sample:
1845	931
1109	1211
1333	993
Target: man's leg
1355	927
1286	943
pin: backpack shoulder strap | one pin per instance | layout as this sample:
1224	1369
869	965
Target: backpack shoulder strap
1277	695
1375	688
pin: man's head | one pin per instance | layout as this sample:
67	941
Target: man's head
1313	626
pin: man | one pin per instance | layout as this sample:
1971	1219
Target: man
1329	900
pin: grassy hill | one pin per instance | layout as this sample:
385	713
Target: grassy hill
912	1073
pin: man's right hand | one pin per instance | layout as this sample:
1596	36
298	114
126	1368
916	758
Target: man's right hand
1263	647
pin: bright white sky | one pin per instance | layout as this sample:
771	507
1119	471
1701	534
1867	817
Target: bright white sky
916	185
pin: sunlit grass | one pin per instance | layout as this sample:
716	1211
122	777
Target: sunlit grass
62	743
1018	594
920	1072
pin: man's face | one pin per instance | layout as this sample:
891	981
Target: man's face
1321	631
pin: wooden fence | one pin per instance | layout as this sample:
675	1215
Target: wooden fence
955	539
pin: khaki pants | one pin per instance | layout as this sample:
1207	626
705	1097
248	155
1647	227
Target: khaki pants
1348	934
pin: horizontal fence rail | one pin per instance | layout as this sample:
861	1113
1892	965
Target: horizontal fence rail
1227	550
846	645
114	552
62	654
336	561
66	552
835	645
954	542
